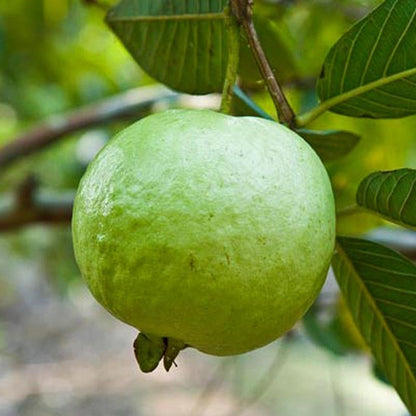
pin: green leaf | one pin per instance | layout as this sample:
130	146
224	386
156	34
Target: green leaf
371	70
182	44
330	145
379	286
379	374
391	194
245	106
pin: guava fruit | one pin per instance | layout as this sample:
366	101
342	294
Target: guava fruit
204	230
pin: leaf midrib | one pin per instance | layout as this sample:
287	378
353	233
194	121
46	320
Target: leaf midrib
370	86
305	119
379	315
174	17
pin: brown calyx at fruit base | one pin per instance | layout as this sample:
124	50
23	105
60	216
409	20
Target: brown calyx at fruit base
149	351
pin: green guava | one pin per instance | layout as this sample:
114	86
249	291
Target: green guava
204	230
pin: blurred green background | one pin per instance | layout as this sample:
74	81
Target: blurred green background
60	353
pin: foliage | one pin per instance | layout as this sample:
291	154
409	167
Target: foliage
369	72
380	289
391	194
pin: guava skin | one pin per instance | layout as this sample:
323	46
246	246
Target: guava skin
210	229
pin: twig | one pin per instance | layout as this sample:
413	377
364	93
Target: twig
31	207
127	104
243	11
233	37
25	193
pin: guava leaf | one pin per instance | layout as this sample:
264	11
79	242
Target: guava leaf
379	286
371	70
390	194
182	44
244	105
330	145
379	374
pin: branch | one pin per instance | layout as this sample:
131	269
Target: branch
118	107
31	207
243	11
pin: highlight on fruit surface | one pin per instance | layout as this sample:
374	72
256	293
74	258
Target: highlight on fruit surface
204	230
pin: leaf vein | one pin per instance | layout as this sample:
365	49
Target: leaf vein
379	36
390	302
405	201
389	287
386	270
178	17
403	35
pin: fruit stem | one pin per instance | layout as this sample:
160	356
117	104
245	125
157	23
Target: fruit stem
233	38
243	11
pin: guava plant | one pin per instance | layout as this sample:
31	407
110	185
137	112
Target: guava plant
215	231
194	47
162	166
